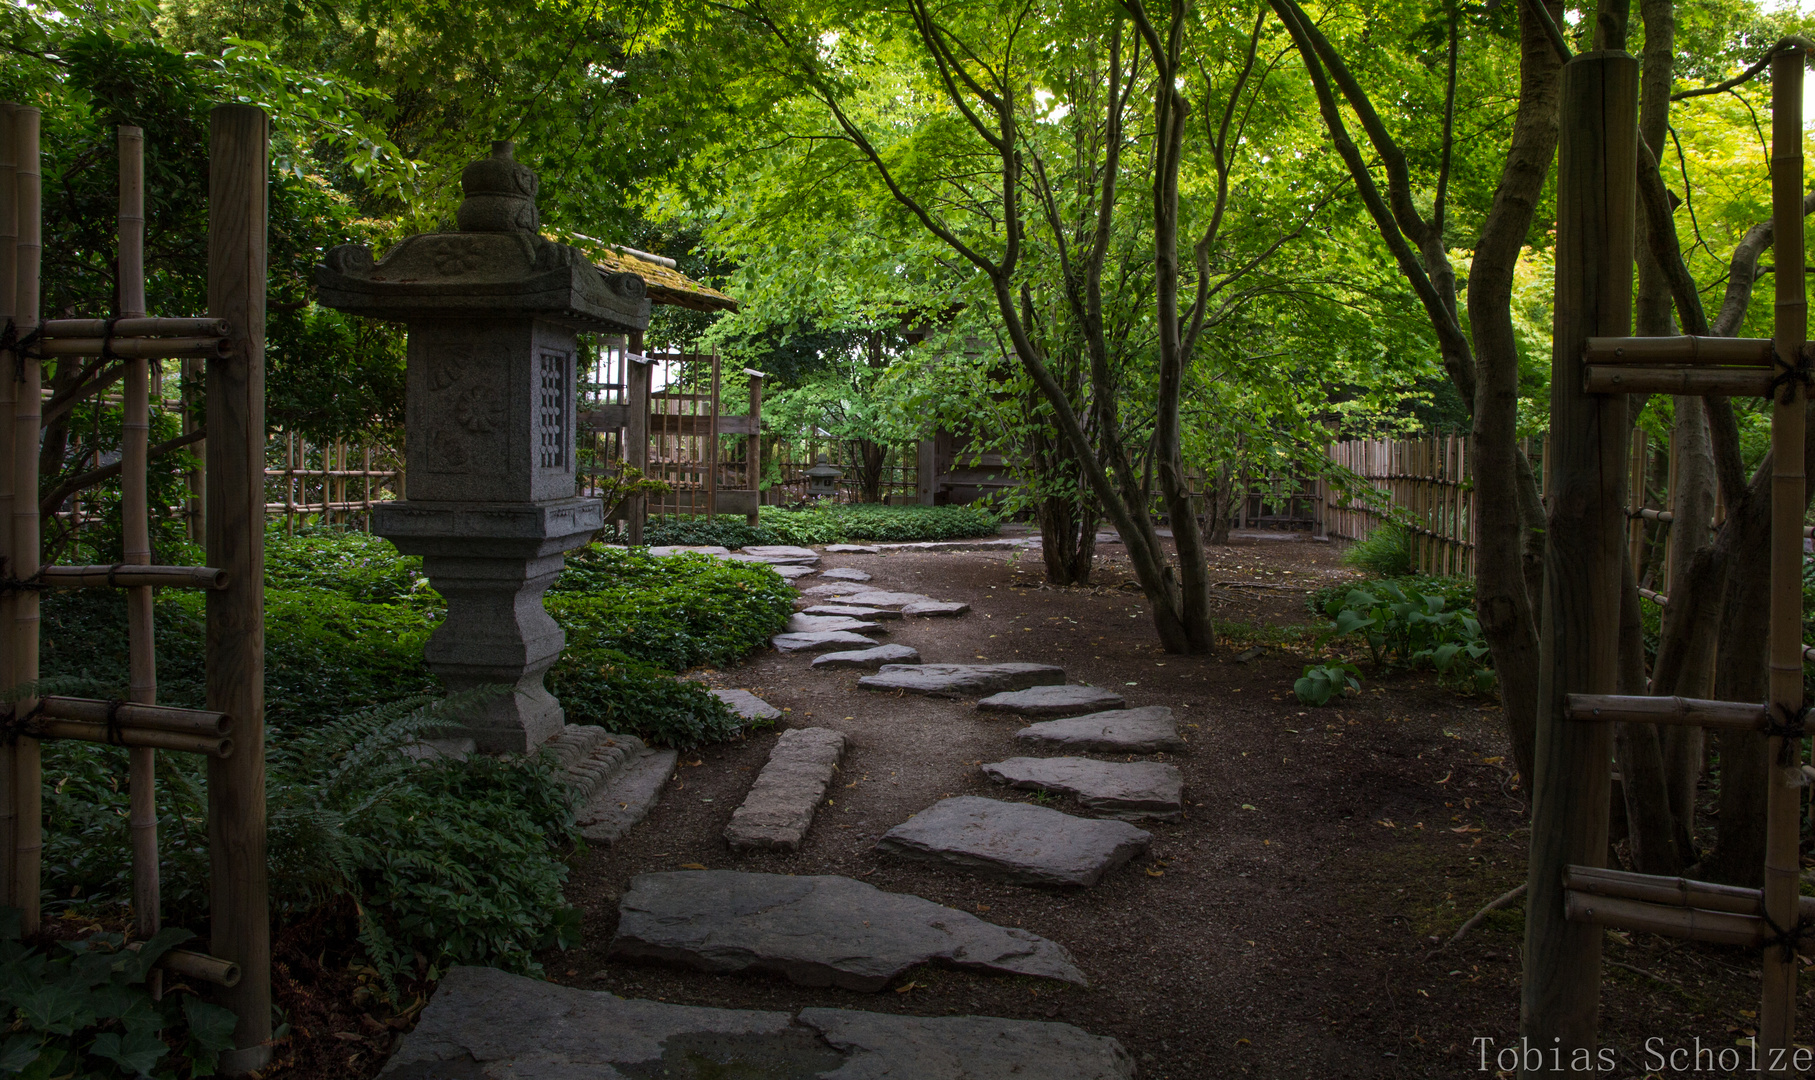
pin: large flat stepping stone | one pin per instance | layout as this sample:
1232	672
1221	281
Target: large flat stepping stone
782	554
854	549
819	641
697	549
1018	842
816	930
845	573
1130	790
627	798
859	597
821	624
932	608
779	808
867	659
747	705
1146	730
846	611
485	1024
961	680
1053	701
828	589
792	572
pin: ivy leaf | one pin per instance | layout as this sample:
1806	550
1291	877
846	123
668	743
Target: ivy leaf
210	1026
135	1051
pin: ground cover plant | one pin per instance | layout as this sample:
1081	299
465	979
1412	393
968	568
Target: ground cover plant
828	524
1403	622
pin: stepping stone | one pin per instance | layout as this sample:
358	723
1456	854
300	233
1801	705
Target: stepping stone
854	549
697	549
748	705
849	612
878	598
819	641
827	589
779	807
782	554
1129	790
1145	730
935	607
1018	842
867	659
486	1024
1053	701
792	572
816	930
961	680
845	573
820	624
627	798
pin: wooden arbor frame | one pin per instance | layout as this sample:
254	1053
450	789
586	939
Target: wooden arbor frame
230	731
1572	896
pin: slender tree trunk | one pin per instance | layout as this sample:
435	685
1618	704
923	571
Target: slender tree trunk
1692	506
1738	856
1638	748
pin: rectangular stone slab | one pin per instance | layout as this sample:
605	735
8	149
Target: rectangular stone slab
867	659
961	680
821	624
816	930
782	554
627	798
1130	790
847	611
484	1024
1146	730
819	641
747	705
1018	842
1053	701
779	808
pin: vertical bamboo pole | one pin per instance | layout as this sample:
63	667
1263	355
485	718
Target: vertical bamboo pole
712	443
9	277
28	778
1635	484
135	515
238	167
1777	1008
1596	185
195	480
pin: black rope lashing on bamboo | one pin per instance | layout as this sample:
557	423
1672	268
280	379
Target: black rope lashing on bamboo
1791	727
20	347
1784	937
116	731
1790	375
12	725
35	583
112	571
107	352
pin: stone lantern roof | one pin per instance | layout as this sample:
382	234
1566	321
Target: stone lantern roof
497	264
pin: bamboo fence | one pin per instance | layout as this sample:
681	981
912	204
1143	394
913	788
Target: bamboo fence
334	483
229	733
1422	484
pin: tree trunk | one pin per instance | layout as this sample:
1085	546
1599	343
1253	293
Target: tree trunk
1068	539
1692	506
1219	509
1651	828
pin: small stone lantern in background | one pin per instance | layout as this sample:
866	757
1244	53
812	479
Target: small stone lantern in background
489	500
822	479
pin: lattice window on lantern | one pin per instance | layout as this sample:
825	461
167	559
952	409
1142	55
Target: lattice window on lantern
551	412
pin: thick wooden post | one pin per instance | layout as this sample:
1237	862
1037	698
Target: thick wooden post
753	445
636	431
9	280
1596	185
238	170
28	778
1777	1012
136	534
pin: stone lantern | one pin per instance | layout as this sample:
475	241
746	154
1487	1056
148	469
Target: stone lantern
489	500
822	479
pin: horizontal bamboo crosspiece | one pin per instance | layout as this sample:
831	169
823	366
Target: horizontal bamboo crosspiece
1687	382
147	348
1709	351
1639	709
127	576
1672	906
1692	366
146	327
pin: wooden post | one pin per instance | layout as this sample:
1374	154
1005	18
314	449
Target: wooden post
753	445
9	278
1579	650
28	811
238	170
636	431
1777	1010
712	443
136	534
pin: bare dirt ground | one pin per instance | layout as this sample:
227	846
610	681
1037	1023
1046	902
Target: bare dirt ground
1291	926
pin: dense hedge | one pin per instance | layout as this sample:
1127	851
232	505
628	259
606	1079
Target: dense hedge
828	524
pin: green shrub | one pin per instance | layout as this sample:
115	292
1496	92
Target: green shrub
1458	593
827	524
356	565
1321	682
677	612
1410	628
1387	552
81	1010
620	693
